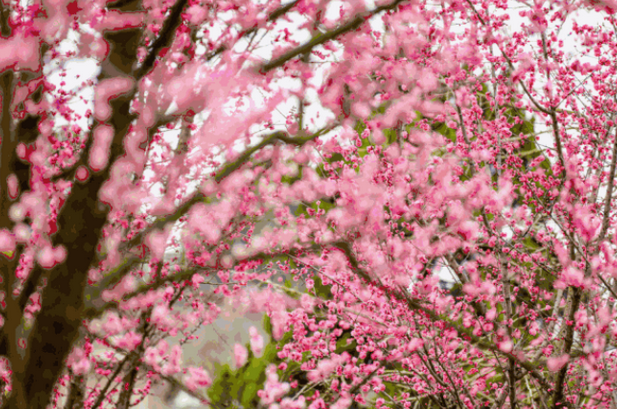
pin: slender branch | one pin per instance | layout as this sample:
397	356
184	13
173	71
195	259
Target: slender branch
178	384
500	400
555	126
5	27
268	140
511	363
558	396
164	39
133	357
330	35
223	173
97	308
124	399
76	392
608	287
103	393
609	193
281	11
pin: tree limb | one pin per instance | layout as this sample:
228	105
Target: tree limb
164	39
330	35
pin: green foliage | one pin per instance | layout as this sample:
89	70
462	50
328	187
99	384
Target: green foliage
237	388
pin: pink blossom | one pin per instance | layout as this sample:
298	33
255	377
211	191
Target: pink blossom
256	341
506	346
196	378
174	361
240	354
129	341
107	90
273	389
103	136
19	51
429	193
46	257
572	276
7	242
197	14
325	368
78	362
554	364
12	184
157	243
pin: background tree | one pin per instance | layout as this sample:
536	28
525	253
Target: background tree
421	154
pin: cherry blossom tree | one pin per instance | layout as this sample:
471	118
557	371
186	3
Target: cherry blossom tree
470	138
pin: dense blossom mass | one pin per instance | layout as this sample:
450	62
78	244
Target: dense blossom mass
419	195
